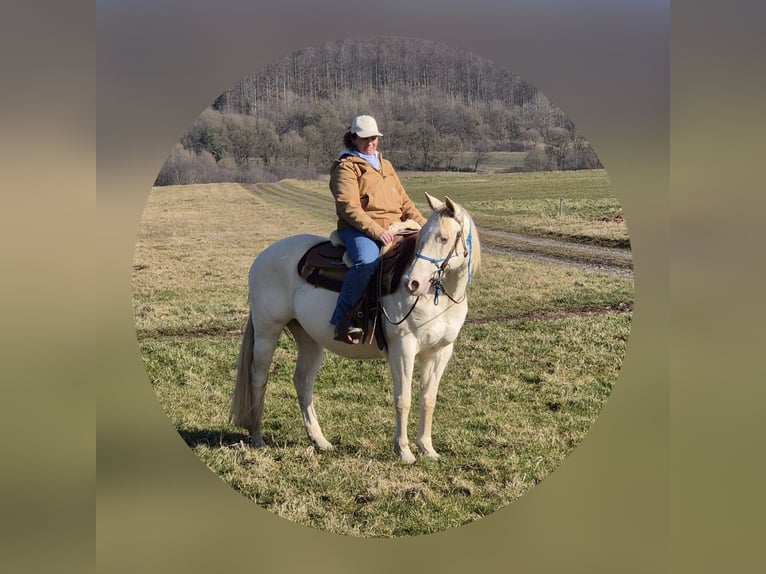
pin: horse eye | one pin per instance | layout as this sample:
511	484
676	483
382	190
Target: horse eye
443	239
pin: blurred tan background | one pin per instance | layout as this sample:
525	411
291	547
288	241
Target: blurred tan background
606	68
608	508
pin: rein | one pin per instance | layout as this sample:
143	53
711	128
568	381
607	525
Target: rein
403	319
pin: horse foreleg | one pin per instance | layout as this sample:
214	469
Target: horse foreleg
308	363
432	368
402	362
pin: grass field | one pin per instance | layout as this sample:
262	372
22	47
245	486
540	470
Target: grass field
493	162
577	206
533	366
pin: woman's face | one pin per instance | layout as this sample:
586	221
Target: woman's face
366	145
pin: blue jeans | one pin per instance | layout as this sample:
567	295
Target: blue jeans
364	252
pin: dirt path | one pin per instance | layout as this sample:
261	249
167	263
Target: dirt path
608	260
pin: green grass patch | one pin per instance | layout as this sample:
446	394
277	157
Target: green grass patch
534	365
578	206
516	400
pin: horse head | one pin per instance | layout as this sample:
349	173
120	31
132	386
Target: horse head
447	243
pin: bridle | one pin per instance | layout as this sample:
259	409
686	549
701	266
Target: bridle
442	263
441	266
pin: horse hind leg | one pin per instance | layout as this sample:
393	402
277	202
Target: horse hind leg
310	355
255	356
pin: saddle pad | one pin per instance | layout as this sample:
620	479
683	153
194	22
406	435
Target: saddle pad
324	255
323	265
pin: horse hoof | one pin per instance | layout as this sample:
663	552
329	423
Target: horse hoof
323	445
258	443
429	452
407	457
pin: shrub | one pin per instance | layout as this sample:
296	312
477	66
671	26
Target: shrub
537	160
184	167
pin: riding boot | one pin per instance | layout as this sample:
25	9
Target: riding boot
347	332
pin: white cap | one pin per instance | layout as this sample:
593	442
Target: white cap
365	127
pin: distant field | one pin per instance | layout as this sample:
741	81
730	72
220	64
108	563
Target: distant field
495	161
527	203
533	366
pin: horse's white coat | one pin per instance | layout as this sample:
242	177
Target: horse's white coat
279	298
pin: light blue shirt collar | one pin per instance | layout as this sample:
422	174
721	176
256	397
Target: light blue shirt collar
373	159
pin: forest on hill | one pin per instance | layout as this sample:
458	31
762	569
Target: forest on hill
439	109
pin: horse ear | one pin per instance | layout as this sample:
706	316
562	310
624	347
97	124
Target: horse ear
454	209
433	202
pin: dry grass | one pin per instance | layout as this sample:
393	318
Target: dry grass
531	371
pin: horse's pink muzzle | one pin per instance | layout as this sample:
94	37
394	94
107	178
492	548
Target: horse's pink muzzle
416	286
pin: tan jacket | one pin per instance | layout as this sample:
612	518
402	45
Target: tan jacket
368	199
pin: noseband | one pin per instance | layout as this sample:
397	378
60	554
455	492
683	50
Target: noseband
441	264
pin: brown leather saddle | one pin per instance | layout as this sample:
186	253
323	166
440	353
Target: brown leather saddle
323	266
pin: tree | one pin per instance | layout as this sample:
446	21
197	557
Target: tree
266	141
558	143
423	139
291	145
481	152
466	124
537	160
329	132
450	148
499	121
432	102
207	133
582	155
312	140
184	167
241	136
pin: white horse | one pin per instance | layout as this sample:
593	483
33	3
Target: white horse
423	317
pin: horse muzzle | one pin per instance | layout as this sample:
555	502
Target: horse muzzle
416	286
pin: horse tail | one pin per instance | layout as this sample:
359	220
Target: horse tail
242	409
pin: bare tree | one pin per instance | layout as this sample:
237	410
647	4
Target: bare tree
432	101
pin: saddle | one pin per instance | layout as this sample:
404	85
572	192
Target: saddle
326	263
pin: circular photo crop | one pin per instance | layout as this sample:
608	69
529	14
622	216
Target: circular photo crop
382	287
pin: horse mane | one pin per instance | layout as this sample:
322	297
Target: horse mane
475	246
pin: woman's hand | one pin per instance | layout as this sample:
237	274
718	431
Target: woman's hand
385	237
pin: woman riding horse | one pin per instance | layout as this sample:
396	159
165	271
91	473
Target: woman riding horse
423	317
368	198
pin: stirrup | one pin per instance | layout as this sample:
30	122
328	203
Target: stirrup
348	334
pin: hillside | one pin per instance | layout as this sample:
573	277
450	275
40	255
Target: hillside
439	108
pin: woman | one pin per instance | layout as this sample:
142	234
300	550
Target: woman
368	198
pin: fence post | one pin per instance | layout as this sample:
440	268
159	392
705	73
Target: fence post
561	205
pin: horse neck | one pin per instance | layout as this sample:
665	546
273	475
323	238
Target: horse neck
455	280
458	278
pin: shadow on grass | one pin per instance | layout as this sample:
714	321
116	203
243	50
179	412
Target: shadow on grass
212	437
220	437
223	438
